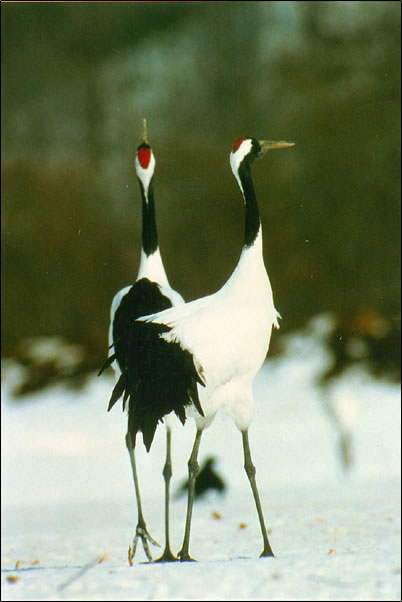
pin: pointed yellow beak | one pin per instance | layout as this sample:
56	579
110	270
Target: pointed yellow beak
267	145
144	131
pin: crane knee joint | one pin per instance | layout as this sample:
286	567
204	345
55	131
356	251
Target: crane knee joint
193	468
250	469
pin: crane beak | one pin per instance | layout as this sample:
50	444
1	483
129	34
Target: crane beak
144	131
267	145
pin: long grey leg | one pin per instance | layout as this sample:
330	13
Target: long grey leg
193	470
167	555
250	470
141	529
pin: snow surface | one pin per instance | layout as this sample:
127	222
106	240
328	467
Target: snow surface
68	506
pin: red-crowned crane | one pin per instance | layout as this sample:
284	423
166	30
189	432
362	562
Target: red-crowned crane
150	293
197	358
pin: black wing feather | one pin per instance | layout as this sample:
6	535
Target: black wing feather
158	376
118	391
161	378
108	362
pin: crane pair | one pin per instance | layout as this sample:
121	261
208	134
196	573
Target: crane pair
194	358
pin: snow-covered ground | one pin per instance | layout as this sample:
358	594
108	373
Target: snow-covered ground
68	507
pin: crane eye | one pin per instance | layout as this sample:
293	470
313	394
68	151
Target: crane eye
144	156
237	143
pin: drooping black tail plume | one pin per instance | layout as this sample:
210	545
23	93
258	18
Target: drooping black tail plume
159	377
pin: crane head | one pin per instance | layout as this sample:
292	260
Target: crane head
144	160
249	149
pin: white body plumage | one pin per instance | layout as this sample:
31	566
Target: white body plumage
227	333
240	316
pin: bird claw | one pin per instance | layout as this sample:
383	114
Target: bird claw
141	532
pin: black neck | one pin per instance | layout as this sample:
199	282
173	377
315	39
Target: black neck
149	231
252	220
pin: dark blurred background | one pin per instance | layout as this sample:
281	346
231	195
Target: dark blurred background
77	80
